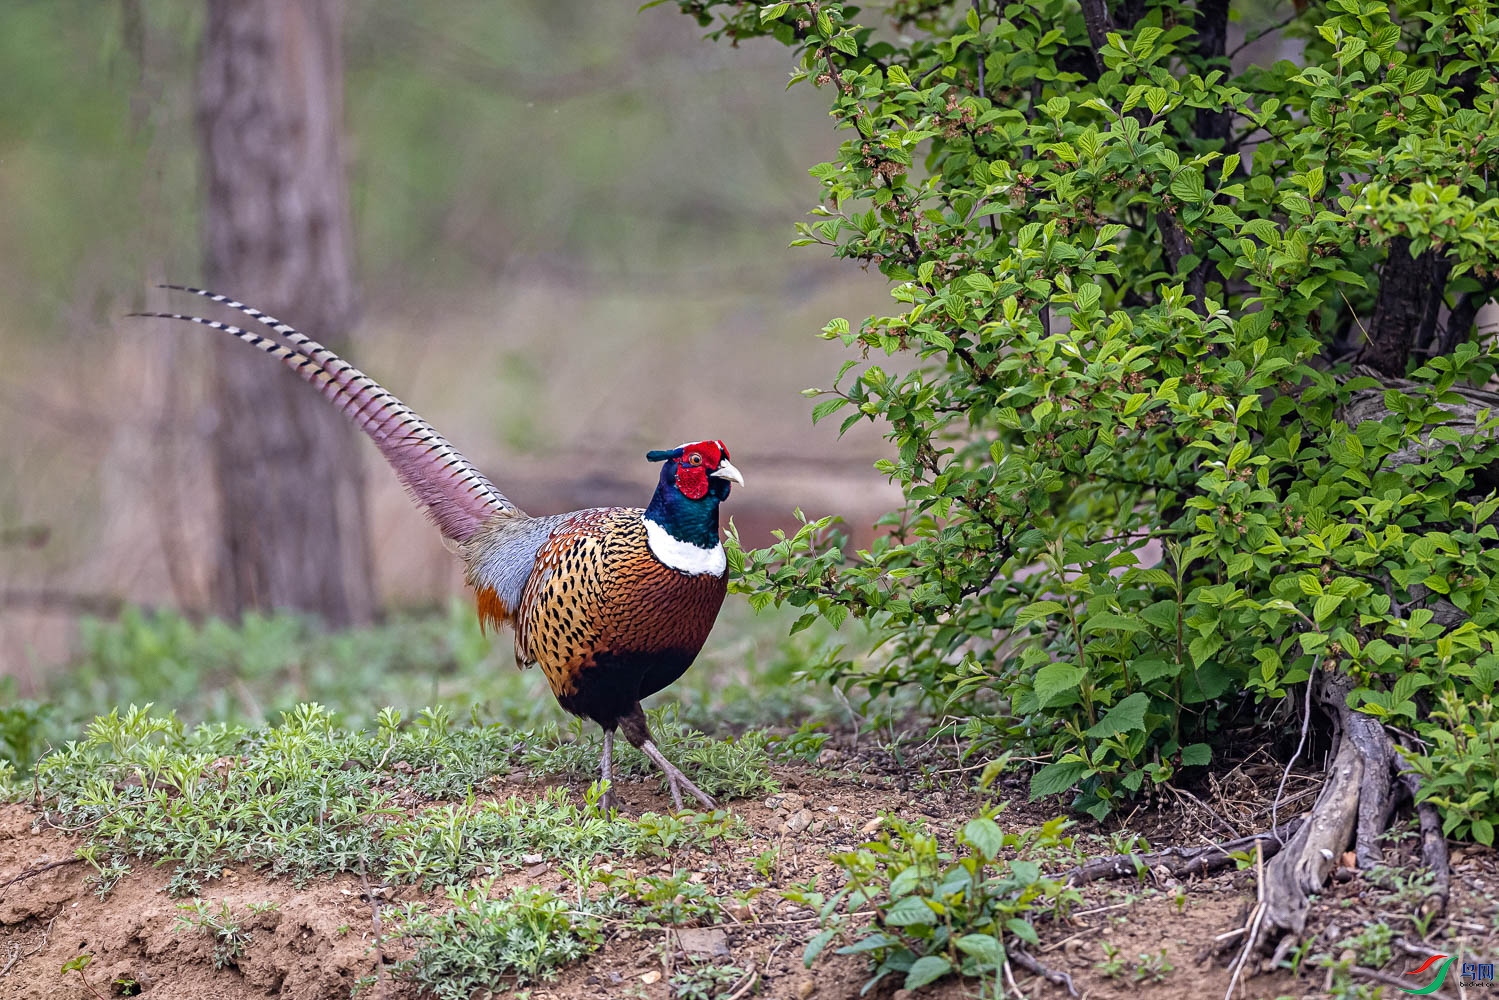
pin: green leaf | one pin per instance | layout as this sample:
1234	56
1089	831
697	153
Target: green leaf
1325	606
985	836
1036	611
1161	614
1483	832
1107	621
1196	755
1057	777
828	406
1023	930
927	969
908	911
989	953
1056	679
817	944
1125	717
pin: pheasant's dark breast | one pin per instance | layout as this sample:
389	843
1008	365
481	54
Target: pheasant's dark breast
607	622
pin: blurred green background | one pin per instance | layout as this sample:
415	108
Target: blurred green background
571	224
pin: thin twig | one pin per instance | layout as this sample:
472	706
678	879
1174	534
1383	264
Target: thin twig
1381	977
32	873
1223	824
1057	944
1253	927
369	894
1306	721
1250	40
1030	965
748	985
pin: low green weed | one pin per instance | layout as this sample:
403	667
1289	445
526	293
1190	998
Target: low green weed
705	982
1460	770
528	934
24	729
307	797
670	900
230	936
938	913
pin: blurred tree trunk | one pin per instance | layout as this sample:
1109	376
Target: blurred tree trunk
277	231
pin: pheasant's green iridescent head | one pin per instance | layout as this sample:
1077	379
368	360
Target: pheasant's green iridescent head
697	470
682	519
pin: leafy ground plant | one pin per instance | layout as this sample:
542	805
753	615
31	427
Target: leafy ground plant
938	913
527	934
230	935
308	797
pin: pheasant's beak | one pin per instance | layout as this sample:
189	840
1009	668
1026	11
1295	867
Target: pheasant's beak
727	471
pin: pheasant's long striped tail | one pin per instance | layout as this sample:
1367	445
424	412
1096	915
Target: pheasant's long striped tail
454	494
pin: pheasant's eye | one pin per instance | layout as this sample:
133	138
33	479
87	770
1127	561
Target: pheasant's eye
696	459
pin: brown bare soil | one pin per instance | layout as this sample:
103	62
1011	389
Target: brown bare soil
321	939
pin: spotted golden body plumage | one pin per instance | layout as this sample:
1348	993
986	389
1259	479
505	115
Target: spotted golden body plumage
613	603
597	592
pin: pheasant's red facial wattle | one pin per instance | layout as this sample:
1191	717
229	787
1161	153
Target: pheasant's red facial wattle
696	463
692	481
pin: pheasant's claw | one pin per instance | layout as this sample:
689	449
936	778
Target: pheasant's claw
695	792
675	779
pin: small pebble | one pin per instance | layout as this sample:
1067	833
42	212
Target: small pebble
799	821
653	976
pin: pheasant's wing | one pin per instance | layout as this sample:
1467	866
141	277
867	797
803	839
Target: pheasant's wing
560	623
456	496
596	594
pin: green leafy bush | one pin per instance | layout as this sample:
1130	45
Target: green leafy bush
1145	491
938	913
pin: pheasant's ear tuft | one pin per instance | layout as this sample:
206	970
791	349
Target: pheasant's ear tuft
658	456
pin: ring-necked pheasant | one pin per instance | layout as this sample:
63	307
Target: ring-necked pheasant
613	603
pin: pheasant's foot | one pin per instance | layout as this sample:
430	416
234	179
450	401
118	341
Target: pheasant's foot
675	779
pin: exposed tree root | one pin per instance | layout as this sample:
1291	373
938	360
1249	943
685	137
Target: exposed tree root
1180	862
1355	808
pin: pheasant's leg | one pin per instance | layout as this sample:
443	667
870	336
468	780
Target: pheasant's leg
606	772
676	779
633	726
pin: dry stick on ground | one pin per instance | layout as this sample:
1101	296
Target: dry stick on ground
1374	975
1433	843
1251	929
1034	967
33	872
1181	862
